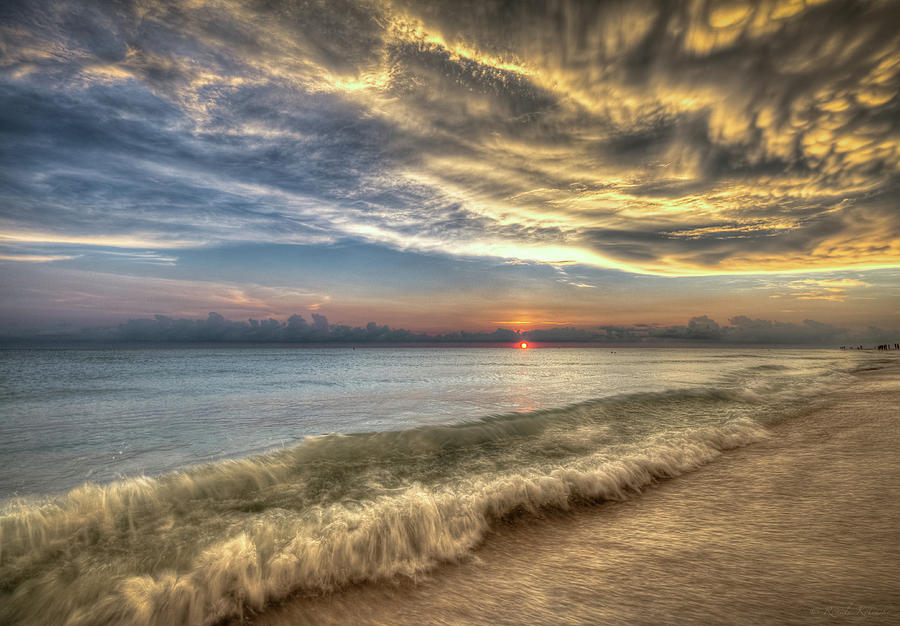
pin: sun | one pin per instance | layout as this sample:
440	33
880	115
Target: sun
523	345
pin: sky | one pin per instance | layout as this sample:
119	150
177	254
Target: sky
449	165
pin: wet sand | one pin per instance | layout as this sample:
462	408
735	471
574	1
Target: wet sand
803	528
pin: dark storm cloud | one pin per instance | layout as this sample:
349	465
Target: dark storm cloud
662	137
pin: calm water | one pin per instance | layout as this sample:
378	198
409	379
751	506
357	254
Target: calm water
243	476
69	416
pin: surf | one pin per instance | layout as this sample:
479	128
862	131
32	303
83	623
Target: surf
214	541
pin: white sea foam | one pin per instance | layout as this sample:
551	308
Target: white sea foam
114	538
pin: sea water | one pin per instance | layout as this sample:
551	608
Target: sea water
190	485
73	415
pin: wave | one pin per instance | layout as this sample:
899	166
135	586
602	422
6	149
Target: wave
770	367
211	542
873	365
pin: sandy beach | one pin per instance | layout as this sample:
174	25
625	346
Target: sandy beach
798	529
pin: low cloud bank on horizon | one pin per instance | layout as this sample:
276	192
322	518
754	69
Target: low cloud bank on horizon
297	330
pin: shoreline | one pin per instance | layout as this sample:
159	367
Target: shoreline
800	528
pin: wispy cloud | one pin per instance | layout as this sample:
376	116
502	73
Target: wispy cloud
836	290
35	258
83	296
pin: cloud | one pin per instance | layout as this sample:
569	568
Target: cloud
746	330
215	328
87	297
672	138
836	290
35	258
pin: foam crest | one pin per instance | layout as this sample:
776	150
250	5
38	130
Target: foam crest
218	541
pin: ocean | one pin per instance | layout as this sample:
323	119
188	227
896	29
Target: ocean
204	484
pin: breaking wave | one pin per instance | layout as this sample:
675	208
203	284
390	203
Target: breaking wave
215	541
